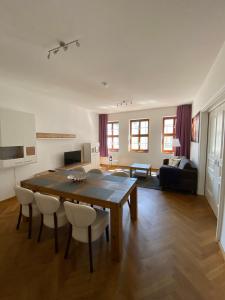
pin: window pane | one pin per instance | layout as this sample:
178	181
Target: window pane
116	129
168	125
109	142
168	143
144	143
115	143
134	143
109	128
134	127
144	127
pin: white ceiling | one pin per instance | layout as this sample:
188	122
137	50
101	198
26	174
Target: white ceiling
153	52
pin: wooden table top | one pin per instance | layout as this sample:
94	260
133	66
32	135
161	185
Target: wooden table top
104	190
140	166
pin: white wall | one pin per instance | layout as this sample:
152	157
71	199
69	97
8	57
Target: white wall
199	152
155	116
52	115
211	93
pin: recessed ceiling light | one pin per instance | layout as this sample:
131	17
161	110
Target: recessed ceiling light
105	84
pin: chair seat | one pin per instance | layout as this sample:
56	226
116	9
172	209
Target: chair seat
97	228
25	210
61	218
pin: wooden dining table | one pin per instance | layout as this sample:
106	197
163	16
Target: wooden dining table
103	190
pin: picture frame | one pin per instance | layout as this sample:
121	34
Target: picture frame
195	126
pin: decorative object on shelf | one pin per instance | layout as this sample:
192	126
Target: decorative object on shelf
62	46
77	176
47	135
124	103
195	128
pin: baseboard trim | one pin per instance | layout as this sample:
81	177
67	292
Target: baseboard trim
222	249
7	200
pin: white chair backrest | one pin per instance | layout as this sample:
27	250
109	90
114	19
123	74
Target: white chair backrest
96	171
79	215
24	196
120	173
47	204
80	169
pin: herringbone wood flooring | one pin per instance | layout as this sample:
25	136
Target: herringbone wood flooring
170	253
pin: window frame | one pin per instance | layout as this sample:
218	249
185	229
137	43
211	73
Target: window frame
139	135
113	135
168	134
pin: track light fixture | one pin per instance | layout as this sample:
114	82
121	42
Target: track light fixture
62	45
124	103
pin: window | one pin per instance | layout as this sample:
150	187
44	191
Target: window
113	136
139	135
168	134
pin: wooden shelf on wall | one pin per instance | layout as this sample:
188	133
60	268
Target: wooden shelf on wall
47	135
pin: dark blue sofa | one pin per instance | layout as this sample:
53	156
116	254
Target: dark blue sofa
184	177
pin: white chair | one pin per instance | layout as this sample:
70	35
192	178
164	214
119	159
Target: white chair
120	173
79	169
86	225
52	214
28	207
95	171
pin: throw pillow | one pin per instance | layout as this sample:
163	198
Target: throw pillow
174	162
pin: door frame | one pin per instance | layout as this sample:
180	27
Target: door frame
222	187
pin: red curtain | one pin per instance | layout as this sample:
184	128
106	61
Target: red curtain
183	129
103	121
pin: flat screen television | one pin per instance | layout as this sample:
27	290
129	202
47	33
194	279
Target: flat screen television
72	157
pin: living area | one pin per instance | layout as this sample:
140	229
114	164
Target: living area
112	121
154	143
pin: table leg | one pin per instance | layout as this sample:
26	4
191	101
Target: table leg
133	204
130	172
116	215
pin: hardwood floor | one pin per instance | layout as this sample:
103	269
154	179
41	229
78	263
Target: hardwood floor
170	253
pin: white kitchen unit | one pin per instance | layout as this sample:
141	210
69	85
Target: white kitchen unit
91	155
17	138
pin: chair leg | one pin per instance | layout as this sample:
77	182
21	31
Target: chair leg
68	241
41	227
30	221
56	232
19	218
90	249
107	233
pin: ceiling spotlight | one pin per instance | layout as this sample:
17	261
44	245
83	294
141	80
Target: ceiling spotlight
62	45
77	43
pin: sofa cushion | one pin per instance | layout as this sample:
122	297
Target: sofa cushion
185	164
174	161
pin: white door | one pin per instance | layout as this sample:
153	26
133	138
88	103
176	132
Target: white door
214	157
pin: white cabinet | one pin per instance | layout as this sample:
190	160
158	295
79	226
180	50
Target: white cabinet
17	138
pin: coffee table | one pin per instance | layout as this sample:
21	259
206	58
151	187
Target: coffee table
143	167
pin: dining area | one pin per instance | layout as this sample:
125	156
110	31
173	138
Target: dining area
89	205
